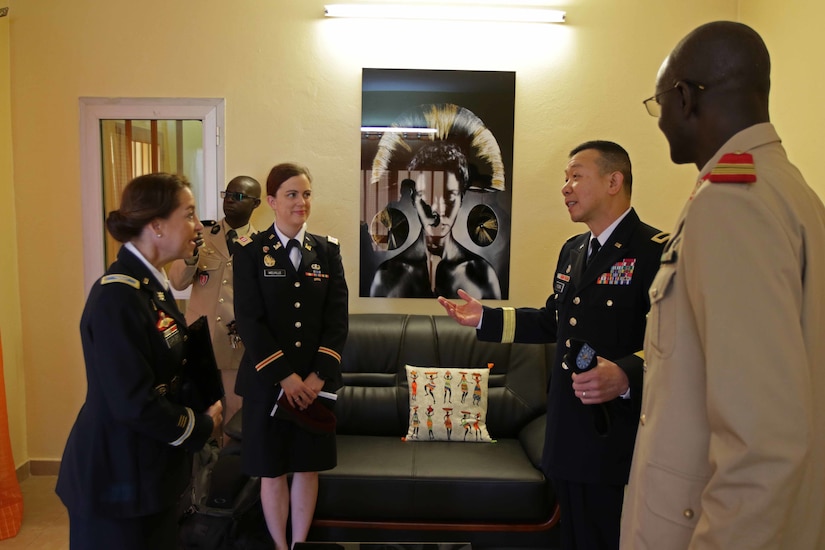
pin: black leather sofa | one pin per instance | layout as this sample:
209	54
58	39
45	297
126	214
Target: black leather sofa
386	489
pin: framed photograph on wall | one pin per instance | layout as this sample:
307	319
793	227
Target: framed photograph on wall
436	184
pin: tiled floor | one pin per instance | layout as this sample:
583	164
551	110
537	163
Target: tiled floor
45	521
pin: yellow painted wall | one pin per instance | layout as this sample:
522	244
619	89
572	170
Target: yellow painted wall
793	33
10	323
292	86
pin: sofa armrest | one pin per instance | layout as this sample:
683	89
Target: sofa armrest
531	438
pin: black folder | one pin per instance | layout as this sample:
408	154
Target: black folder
202	384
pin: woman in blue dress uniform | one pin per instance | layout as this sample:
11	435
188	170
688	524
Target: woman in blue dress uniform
127	459
291	312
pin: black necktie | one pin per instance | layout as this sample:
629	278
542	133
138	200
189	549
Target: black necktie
293	243
594	249
230	238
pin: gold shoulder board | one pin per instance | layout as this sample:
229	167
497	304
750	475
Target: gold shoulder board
120	278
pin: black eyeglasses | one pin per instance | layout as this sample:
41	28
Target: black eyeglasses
654	108
234	195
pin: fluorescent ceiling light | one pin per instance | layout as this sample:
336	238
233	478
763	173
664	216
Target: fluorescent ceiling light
397	130
452	13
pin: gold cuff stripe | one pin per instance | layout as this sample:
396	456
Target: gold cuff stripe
640	354
187	431
331	352
274	357
508	329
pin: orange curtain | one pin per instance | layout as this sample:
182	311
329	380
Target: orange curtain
11	498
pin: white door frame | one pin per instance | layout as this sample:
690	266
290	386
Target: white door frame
210	111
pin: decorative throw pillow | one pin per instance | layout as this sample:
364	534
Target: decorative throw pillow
448	404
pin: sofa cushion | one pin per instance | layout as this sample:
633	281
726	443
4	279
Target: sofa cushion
385	479
447	404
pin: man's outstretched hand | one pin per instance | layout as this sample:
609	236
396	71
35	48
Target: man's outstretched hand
468	313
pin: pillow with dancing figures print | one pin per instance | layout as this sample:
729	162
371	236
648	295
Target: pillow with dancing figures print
448	404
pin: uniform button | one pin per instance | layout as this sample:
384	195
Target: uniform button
573	321
298	344
297	324
183	362
610	303
218	319
297	305
185	337
228	264
567	342
642	419
564	366
654	292
297	284
220	300
225	282
577	300
688	513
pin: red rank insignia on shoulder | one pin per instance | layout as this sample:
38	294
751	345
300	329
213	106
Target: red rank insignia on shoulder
733	168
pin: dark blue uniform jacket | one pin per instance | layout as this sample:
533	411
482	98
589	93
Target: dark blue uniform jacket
127	453
606	306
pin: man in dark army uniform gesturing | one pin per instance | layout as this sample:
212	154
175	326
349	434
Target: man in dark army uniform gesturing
600	297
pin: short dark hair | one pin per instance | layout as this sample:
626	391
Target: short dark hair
282	172
445	156
145	198
613	158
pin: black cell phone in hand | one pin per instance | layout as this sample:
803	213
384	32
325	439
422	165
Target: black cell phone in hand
580	356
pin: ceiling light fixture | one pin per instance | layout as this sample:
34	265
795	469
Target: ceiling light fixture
451	13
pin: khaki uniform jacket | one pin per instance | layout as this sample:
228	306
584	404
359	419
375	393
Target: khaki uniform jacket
212	292
730	452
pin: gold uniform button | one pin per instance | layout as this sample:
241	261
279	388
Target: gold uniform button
297	305
185	337
297	324
573	321
577	300
218	319
654	292
297	284
642	419
183	362
220	300
567	342
688	513
610	303
229	264
225	282
298	344
564	366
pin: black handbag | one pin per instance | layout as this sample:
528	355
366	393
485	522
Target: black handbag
202	384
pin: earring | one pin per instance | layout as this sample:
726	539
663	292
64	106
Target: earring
159	235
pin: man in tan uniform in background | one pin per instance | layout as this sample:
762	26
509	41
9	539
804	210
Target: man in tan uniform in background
730	452
209	272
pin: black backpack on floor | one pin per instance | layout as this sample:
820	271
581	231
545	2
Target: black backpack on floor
222	508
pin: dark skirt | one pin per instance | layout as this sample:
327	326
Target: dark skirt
273	447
